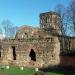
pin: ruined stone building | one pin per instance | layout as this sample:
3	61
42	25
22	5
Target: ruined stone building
37	47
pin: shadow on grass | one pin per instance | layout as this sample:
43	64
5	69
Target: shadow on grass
59	70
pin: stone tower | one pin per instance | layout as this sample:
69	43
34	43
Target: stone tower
50	22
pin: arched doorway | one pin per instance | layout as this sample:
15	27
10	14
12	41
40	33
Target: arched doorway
32	55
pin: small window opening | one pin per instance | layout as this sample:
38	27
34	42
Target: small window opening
1	51
25	33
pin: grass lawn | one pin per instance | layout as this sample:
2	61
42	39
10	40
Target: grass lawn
17	71
31	71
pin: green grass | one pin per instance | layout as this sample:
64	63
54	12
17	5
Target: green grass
17	71
31	71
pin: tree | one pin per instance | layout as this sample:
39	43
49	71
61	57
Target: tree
60	9
71	13
8	28
0	30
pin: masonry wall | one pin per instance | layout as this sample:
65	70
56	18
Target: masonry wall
46	50
67	61
50	22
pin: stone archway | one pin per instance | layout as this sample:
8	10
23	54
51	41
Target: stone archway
32	55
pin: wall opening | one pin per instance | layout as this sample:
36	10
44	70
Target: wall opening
1	51
14	52
32	55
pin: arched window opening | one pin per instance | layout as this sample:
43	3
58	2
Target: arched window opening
32	55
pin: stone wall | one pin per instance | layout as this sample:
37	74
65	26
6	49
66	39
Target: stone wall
50	22
67	43
46	52
67	61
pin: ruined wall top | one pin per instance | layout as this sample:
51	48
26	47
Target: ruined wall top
50	22
31	32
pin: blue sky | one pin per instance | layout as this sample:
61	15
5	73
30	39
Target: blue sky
26	12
